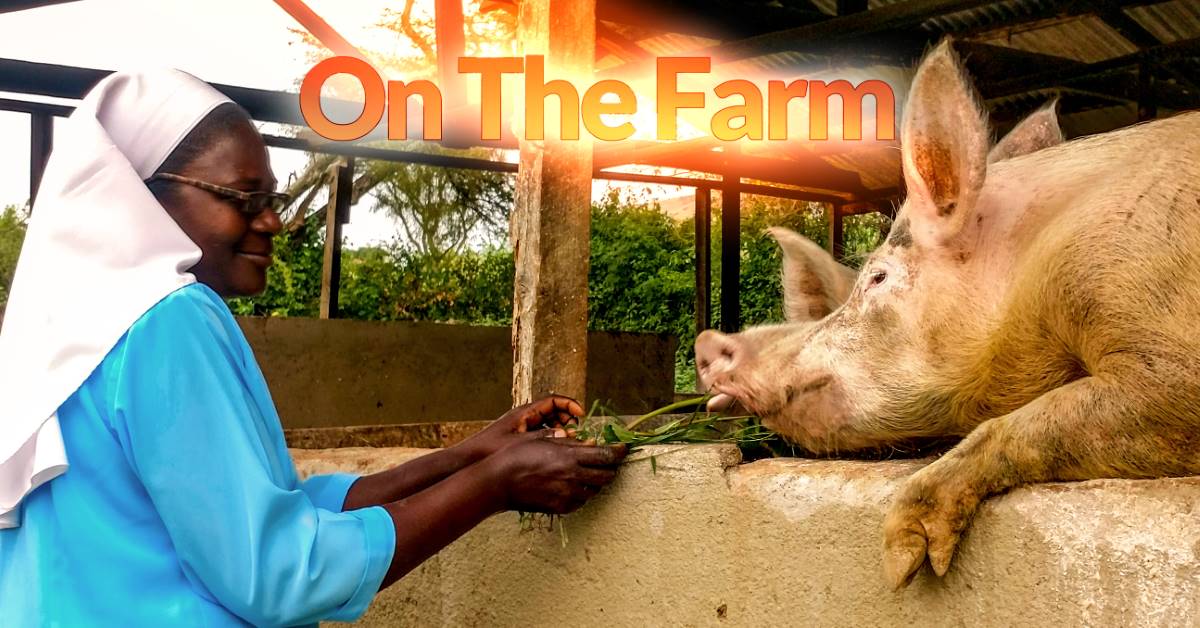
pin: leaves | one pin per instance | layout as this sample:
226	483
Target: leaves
699	427
12	233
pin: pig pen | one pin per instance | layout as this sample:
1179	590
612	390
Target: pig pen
703	540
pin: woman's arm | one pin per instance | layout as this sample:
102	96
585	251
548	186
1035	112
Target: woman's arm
539	474
195	424
416	475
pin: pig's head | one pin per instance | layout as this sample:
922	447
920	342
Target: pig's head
872	372
814	285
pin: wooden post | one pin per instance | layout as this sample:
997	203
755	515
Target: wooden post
336	215
703	259
731	246
836	244
552	217
41	140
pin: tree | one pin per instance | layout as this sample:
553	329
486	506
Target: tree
437	210
12	234
440	210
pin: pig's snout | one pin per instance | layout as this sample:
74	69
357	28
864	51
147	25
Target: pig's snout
718	355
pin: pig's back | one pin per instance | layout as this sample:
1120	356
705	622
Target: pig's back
1111	225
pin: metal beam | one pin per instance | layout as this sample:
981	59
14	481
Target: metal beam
717	184
10	6
41	140
806	173
1058	77
387	154
988	62
703	224
471	163
647	152
731	248
1116	18
846	7
1147	105
320	29
60	81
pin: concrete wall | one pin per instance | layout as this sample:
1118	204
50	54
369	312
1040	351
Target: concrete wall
325	373
793	542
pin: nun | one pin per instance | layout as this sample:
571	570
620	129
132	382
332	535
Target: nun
144	479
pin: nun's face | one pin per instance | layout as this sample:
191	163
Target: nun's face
235	247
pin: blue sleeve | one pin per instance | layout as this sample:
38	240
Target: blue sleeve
329	491
189	419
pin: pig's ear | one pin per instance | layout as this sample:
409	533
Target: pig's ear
945	147
1039	130
814	284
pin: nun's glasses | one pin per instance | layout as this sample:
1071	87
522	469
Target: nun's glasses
249	203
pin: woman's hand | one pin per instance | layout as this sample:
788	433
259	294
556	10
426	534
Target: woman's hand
553	475
554	412
558	414
534	472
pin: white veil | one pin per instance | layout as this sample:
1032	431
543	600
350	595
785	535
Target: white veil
99	252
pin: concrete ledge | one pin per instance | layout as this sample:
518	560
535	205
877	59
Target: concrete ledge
705	541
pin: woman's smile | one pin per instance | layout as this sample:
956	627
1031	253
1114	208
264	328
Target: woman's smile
260	259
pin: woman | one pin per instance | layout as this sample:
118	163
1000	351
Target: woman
119	358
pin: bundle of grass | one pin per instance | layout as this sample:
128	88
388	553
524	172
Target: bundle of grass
659	427
698	426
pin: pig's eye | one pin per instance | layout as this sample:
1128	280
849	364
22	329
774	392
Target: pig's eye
877	277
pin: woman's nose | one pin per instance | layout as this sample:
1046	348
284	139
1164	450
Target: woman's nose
268	221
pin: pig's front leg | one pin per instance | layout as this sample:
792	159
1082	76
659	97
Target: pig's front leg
1095	427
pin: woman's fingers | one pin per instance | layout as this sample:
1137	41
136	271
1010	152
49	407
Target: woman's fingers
551	410
602	456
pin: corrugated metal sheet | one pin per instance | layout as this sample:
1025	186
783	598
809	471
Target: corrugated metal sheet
879	168
1085	38
1170	21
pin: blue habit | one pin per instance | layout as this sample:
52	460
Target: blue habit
181	506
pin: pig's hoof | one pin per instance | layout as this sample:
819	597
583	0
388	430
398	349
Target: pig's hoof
926	520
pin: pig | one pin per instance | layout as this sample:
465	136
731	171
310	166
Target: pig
814	283
1041	306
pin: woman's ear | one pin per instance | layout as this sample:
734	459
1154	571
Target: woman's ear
814	284
945	146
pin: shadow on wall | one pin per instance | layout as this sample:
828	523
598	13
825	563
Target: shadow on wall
333	373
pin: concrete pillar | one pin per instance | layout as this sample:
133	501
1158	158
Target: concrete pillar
551	218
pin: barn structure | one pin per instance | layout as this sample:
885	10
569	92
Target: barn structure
1110	63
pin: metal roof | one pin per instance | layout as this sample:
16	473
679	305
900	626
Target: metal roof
1042	35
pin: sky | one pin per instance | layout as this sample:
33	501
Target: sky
238	42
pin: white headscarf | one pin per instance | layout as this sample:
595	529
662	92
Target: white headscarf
99	252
